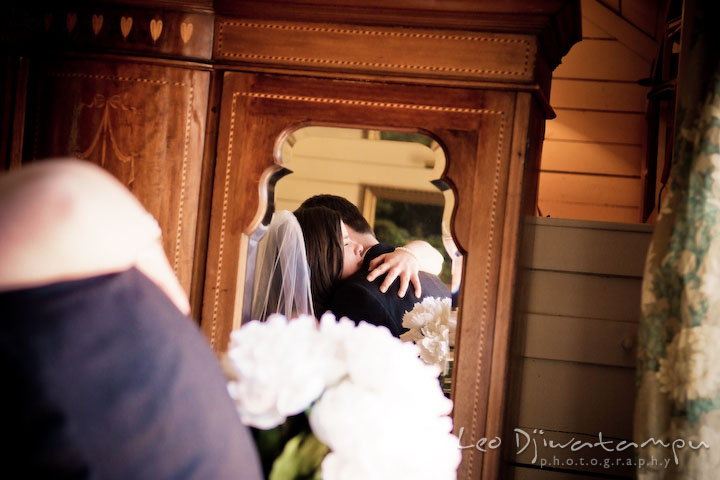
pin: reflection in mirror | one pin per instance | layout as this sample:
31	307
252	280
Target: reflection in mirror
384	173
392	177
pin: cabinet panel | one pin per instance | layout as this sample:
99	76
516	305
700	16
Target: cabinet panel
482	140
426	52
143	123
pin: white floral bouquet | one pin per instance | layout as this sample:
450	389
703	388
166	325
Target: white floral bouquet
340	401
431	326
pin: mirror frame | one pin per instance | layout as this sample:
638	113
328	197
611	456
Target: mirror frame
484	135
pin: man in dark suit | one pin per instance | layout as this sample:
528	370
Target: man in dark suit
403	263
378	293
359	299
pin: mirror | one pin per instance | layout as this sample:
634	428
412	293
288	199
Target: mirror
392	177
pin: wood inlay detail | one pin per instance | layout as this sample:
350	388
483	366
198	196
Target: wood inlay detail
368	103
125	26
186	139
357	31
486	284
156	27
429	68
186	149
105	132
223	220
375	33
119	79
186	31
97	23
70	22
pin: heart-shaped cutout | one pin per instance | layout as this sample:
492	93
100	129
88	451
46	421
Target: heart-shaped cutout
125	26
71	21
97	22
155	29
186	31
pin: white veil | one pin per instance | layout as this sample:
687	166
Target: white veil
282	275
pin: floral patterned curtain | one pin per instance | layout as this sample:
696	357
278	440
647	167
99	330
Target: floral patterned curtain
677	411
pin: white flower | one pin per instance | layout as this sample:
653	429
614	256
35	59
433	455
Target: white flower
380	410
388	418
277	369
691	369
435	349
432	327
372	435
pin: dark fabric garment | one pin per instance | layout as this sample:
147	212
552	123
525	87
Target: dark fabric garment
103	378
360	300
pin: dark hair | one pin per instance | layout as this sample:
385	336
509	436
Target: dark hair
349	213
324	249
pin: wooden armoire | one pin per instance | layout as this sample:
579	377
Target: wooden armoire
187	102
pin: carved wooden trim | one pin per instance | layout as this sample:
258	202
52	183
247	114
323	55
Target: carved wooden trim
370	49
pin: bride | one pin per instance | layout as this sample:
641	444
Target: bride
296	272
282	280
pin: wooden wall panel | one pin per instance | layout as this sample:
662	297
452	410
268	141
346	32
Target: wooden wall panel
596	127
598	95
615	23
580	247
600	213
581	340
562	156
590	30
595	189
574	397
580	295
614	4
143	123
642	13
602	60
579	304
594	149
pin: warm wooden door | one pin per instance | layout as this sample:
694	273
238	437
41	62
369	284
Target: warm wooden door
484	136
144	123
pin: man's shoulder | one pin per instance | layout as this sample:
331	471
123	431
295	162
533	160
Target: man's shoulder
357	285
359	299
